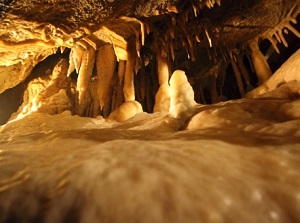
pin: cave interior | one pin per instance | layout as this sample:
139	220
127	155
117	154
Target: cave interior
209	40
149	111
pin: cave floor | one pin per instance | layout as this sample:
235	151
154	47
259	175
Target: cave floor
65	168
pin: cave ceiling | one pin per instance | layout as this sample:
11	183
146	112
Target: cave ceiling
209	32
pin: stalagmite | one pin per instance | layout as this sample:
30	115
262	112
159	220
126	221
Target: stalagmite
126	111
238	76
85	71
106	63
182	103
52	98
162	99
260	64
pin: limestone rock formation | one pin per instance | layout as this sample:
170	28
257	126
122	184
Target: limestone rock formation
149	111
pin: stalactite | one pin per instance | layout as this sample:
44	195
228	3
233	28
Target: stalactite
130	107
275	35
162	69
162	47
85	71
139	33
195	9
105	62
238	75
121	70
91	40
200	3
244	71
137	64
77	54
171	29
208	38
172	51
162	97
269	52
250	62
260	64
197	38
62	49
192	54
89	111
71	63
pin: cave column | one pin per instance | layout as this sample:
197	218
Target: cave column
162	98
237	74
260	64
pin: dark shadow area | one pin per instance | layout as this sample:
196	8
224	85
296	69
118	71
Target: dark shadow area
10	101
